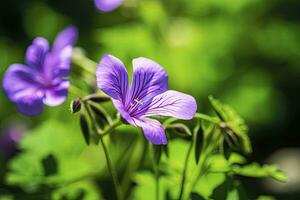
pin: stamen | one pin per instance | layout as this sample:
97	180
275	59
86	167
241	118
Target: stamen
135	105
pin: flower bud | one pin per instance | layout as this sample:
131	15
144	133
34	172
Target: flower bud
75	105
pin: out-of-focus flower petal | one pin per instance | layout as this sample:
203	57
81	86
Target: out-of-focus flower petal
112	78
19	81
9	138
108	5
58	65
149	80
173	104
153	130
30	105
56	95
36	52
65	38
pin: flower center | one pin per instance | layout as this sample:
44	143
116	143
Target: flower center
135	105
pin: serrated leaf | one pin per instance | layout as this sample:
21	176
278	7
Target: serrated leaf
60	139
85	128
80	190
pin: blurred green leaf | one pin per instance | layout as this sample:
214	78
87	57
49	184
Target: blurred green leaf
255	170
78	191
65	145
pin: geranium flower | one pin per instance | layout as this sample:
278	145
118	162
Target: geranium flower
148	96
108	5
43	79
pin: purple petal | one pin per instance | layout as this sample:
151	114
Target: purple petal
108	5
149	80
65	38
36	52
30	105
57	65
153	130
173	104
18	82
112	78
56	95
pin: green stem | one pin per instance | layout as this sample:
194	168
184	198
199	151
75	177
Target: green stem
112	170
76	91
82	61
109	162
114	124
155	164
207	118
185	169
157	180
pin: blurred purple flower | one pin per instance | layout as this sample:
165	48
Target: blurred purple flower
108	5
9	138
148	95
43	79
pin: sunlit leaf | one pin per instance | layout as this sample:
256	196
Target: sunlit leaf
256	170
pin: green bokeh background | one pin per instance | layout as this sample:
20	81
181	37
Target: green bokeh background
244	52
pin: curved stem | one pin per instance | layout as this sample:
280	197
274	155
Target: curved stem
112	170
76	91
109	162
157	180
185	169
155	164
82	61
207	118
112	126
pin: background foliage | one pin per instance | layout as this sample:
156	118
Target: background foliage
245	52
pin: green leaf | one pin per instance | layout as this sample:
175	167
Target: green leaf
77	191
207	184
255	170
230	189
198	135
33	167
85	128
146	187
263	197
234	125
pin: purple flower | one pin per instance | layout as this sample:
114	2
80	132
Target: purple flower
43	79
9	138
108	5
148	96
